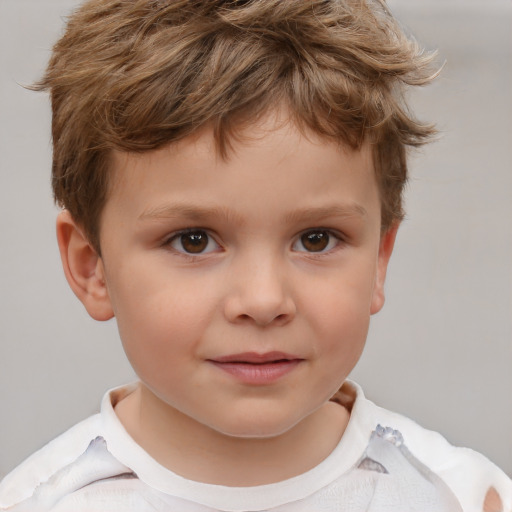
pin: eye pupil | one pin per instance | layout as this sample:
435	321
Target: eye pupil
194	242
315	241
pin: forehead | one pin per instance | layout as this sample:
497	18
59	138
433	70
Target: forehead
221	145
268	162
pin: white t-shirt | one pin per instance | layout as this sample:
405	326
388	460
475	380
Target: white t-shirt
383	463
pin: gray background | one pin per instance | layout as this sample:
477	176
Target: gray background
440	351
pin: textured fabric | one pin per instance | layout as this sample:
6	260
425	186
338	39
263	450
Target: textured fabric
384	462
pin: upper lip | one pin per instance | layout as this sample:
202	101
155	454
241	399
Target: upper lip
256	358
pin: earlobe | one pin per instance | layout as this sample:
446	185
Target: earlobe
387	242
83	268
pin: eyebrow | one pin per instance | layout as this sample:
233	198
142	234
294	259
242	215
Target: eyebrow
326	212
200	214
188	211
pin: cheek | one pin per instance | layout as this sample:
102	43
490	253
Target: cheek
342	299
339	313
343	332
161	322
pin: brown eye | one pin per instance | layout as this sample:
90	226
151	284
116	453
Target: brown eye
193	242
315	241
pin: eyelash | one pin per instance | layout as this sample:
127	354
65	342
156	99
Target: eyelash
179	234
333	237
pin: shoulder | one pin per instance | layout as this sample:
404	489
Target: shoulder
473	478
40	466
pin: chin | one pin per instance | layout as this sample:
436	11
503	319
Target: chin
255	434
256	428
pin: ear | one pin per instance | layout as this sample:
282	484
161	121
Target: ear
387	242
83	268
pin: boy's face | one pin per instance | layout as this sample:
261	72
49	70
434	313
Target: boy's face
243	288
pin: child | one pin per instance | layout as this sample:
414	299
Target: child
231	177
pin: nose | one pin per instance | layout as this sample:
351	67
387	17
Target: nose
260	294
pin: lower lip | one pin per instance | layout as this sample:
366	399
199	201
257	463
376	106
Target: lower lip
258	374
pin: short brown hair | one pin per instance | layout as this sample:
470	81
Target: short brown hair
135	75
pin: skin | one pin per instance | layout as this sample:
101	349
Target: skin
256	285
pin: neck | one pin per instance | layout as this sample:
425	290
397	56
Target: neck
200	453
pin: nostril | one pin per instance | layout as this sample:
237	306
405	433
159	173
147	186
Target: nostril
261	320
259	308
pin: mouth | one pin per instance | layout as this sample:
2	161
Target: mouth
257	369
256	358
